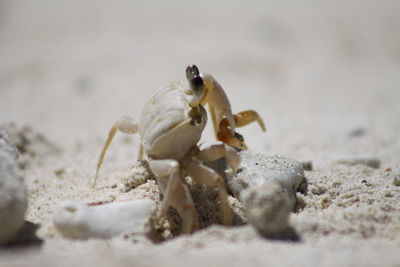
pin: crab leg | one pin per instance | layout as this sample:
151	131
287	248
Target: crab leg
124	124
175	192
167	173
207	176
141	152
248	116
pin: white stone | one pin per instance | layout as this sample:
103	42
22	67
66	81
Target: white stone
257	168
13	195
79	221
267	207
267	186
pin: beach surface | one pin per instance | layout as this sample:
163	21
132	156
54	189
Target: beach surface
324	76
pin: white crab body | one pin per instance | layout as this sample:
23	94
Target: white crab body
166	127
170	127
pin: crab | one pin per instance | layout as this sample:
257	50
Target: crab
170	127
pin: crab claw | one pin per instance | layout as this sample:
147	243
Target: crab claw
236	140
218	103
224	122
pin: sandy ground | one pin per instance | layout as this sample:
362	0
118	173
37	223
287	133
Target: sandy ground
325	77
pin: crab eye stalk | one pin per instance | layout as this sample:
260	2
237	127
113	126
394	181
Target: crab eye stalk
196	85
197	88
191	72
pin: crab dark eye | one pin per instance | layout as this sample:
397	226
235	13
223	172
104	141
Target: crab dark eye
197	81
191	72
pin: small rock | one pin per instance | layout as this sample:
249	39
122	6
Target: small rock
307	165
79	221
59	171
267	207
396	180
319	190
267	187
257	169
13	195
357	132
388	194
350	160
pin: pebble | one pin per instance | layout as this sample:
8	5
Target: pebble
396	180
78	221
267	207
267	187
257	169
366	160
13	194
307	165
357	132
319	190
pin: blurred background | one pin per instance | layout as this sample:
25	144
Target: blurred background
317	71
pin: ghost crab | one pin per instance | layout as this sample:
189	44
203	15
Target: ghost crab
170	127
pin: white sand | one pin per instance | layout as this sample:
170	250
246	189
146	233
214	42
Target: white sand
316	72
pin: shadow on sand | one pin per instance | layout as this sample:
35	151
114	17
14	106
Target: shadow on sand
26	237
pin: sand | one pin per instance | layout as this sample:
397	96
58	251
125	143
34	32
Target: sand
324	76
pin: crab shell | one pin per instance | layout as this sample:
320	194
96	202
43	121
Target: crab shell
167	126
